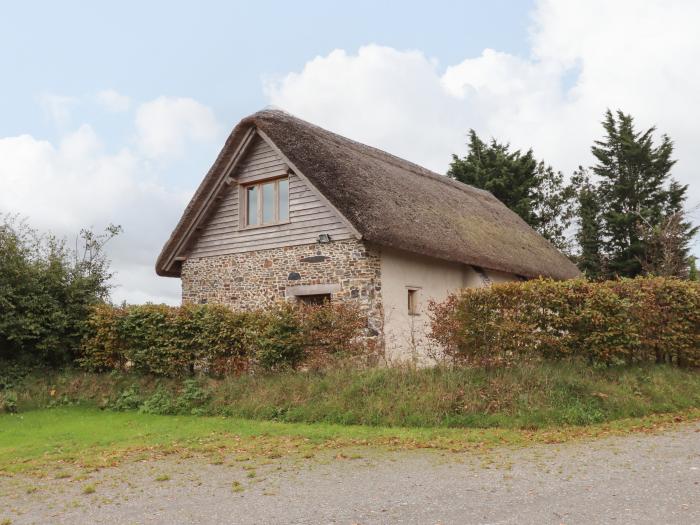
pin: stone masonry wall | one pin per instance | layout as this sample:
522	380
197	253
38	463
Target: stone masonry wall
259	279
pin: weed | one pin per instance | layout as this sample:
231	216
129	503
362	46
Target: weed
237	487
128	400
89	489
531	395
160	402
8	401
162	477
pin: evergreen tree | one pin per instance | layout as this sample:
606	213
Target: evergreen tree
554	206
635	193
589	234
693	269
530	188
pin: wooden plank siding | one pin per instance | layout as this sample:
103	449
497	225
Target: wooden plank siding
308	215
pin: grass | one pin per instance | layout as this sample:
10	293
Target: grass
530	396
93	438
237	487
97	420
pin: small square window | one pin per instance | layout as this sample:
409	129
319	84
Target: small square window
412	301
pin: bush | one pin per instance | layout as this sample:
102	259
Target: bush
334	333
612	322
280	343
47	290
179	341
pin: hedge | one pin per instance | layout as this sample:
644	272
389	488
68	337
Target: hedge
177	341
611	322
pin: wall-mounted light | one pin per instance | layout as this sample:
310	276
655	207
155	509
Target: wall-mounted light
324	238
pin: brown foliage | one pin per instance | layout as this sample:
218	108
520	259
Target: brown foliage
332	333
623	321
176	341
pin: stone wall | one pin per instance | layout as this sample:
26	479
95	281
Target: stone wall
259	279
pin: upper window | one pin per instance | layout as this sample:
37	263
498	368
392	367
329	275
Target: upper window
267	202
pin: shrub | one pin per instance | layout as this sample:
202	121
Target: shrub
623	321
280	342
47	290
153	342
178	341
102	349
220	338
334	333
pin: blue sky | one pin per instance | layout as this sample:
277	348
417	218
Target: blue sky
218	52
113	112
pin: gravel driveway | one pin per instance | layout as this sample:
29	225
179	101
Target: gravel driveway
634	479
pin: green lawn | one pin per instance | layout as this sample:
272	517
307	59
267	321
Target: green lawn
88	437
91	420
95	437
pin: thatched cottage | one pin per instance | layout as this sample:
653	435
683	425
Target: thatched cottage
290	211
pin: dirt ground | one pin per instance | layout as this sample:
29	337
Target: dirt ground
633	479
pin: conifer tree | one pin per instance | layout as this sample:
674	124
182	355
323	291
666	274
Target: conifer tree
530	188
589	235
636	195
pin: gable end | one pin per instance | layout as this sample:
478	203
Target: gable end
221	230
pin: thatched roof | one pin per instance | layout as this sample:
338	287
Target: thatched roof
390	202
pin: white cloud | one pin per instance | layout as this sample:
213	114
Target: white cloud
58	107
77	182
585	56
113	101
382	96
166	124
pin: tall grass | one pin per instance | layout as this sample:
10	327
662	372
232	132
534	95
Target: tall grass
535	395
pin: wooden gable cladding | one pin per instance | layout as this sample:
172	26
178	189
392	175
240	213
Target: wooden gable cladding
221	233
260	162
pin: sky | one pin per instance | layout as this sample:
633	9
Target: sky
113	113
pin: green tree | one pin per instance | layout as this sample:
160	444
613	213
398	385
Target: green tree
530	188
693	269
46	290
636	195
589	234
